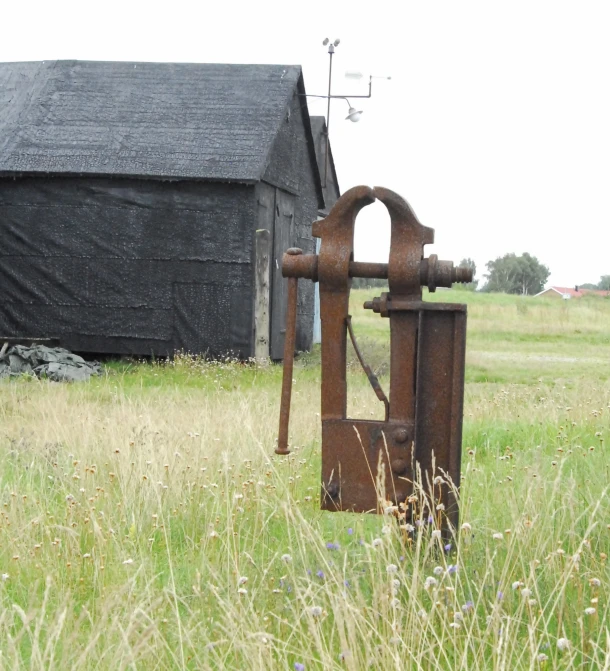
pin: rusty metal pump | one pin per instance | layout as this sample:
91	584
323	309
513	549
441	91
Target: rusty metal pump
365	462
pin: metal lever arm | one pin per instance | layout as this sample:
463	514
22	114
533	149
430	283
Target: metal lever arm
289	344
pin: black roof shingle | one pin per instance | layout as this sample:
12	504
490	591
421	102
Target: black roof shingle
163	120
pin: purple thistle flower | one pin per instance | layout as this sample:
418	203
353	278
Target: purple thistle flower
346	583
430	520
298	666
350	531
500	596
308	571
401	558
469	605
448	547
332	546
320	574
452	569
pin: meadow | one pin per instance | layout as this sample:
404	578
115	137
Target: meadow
145	522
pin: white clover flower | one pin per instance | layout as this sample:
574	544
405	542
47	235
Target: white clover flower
542	657
86	555
390	510
590	611
517	584
422	614
436	533
458	617
563	644
395	583
497	536
377	542
466	527
213	534
409	528
430	582
242	590
440	506
5	577
438	480
391	568
455	625
316	611
438	570
526	593
595	582
128	561
286	558
242	580
394	603
386	529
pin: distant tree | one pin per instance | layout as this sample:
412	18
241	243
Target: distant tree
514	274
587	285
469	263
604	283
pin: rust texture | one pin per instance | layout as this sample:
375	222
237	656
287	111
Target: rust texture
367	463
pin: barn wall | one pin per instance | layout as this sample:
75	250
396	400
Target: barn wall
291	168
127	266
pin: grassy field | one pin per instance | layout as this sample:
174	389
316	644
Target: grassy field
145	522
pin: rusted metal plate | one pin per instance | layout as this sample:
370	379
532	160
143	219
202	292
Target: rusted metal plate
355	458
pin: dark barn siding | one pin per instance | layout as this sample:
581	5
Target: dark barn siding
292	168
126	265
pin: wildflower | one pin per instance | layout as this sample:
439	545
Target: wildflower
436	533
542	658
469	605
422	614
242	591
332	546
438	570
298	666
526	593
242	580
395	583
409	528
500	596
452	569
394	603
438	480
391	568
466	527
595	582
563	644
213	534
458	617
440	506
455	625
128	561
447	547
517	584
430	582
390	510
286	558
590	610
497	536
5	577
386	529
350	531
315	611
320	574
86	555
377	542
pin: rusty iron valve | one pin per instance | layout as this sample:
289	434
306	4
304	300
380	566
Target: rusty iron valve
366	463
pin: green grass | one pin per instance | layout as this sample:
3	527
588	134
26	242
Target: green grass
131	506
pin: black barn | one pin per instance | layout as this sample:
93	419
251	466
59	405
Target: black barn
144	207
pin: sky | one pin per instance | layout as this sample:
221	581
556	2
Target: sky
495	126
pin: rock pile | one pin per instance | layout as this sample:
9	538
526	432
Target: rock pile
53	363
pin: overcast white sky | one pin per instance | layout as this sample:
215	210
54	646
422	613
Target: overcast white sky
495	125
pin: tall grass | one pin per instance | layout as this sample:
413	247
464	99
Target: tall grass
146	523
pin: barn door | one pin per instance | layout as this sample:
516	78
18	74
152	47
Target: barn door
283	236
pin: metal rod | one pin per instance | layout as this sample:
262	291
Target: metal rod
330	75
289	344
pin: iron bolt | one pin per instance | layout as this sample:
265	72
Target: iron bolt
401	435
399	466
332	489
